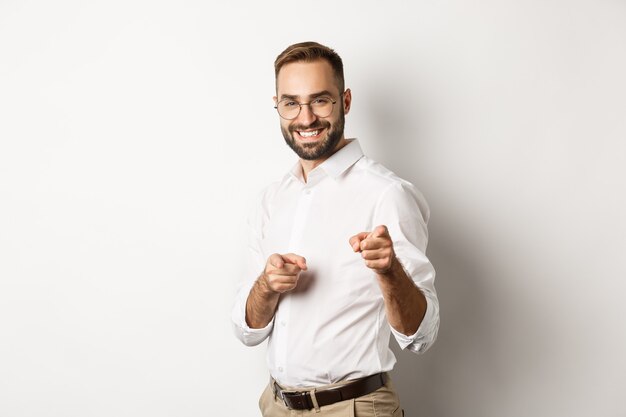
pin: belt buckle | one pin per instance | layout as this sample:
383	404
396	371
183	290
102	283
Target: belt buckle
281	394
296	400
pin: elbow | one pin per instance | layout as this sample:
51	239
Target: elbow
248	338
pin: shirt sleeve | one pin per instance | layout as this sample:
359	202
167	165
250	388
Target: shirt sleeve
247	335
254	263
403	209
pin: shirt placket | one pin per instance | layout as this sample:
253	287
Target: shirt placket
301	214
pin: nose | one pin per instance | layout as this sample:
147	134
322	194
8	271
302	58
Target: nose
306	116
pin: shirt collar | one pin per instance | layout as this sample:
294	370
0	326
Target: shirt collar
336	164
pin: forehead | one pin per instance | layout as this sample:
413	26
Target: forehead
306	78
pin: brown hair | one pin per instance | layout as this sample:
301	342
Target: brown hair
309	52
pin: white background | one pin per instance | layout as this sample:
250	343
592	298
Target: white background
135	134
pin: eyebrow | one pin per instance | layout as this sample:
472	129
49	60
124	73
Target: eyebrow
312	96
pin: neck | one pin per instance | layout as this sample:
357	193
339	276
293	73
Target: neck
308	166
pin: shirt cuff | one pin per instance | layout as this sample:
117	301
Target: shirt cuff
247	335
423	337
252	337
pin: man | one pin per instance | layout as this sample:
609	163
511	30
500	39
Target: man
336	261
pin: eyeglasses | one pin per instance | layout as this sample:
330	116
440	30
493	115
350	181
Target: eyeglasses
289	109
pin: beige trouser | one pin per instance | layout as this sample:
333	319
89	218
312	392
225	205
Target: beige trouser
381	403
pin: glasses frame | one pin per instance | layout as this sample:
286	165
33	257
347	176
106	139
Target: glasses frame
333	101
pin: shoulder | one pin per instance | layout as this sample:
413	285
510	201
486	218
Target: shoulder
389	187
382	178
265	196
275	191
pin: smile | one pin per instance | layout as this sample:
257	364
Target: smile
309	134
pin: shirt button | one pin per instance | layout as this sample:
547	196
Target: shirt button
280	368
307	192
282	323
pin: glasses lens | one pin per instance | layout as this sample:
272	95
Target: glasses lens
288	109
322	106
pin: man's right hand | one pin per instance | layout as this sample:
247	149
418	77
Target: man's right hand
282	272
280	275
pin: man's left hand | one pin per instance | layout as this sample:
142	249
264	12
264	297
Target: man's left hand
376	249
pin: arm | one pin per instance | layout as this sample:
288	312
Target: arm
253	262
405	303
404	212
280	275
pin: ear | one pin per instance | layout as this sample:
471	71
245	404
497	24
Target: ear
275	100
347	100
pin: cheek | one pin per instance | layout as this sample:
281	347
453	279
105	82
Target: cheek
284	126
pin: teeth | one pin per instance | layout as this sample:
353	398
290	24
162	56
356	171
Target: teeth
309	134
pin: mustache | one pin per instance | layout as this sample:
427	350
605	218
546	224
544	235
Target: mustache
318	124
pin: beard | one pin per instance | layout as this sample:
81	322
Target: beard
323	148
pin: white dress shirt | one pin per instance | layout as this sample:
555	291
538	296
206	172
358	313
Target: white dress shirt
333	325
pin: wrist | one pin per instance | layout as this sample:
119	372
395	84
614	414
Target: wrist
392	271
394	276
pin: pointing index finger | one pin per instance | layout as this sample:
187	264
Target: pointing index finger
294	259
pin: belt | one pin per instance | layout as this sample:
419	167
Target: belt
301	400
